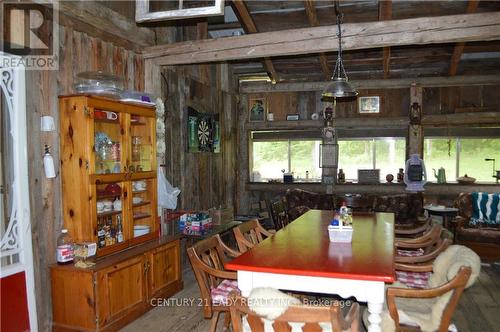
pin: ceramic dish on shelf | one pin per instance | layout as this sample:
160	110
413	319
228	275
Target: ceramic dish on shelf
136	200
141	230
466	179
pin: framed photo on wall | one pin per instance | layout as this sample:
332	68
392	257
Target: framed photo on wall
257	109
369	104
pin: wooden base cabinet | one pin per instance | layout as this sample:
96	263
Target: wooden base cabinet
118	289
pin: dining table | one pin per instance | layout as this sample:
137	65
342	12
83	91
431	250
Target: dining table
300	257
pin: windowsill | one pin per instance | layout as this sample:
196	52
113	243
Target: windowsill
431	188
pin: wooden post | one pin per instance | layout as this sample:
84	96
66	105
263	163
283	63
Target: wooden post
415	131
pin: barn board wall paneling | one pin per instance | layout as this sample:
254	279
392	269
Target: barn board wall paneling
78	52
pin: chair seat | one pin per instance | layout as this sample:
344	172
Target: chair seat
413	279
410	253
220	294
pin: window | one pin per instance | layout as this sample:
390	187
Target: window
462	155
273	152
386	154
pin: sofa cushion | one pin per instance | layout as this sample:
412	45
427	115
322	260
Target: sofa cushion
483	235
485	210
406	207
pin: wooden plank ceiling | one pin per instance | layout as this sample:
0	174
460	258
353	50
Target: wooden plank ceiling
474	58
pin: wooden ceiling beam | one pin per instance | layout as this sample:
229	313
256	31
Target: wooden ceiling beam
249	26
415	31
392	83
314	22
459	47
385	13
106	20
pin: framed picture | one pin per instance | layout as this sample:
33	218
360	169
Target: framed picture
369	104
257	109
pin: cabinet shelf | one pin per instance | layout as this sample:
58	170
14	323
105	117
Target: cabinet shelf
139	191
107	121
108	213
138	216
141	204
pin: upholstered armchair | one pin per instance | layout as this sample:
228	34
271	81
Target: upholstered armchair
483	238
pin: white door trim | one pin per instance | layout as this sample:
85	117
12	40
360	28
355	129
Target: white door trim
17	238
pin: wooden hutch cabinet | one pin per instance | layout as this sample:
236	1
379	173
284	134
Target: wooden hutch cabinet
108	169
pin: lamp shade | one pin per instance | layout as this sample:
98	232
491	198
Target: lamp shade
339	87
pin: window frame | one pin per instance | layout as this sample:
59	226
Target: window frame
289	149
458	148
374	148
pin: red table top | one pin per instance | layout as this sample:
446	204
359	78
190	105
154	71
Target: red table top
304	248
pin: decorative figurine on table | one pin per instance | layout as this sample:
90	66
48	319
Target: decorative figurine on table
415	176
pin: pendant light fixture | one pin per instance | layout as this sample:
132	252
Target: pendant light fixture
339	87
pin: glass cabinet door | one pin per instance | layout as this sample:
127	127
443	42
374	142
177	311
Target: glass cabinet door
108	145
110	219
142	138
143	196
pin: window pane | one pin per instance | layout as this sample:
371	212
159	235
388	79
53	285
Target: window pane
305	158
440	152
269	158
390	156
473	151
354	155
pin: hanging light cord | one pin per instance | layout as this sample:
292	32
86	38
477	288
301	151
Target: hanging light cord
339	66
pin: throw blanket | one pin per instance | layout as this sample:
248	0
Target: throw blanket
485	209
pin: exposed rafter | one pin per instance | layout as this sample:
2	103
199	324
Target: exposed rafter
459	47
416	31
392	83
250	27
385	13
313	21
100	18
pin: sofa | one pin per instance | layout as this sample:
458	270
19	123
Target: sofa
300	201
407	208
482	237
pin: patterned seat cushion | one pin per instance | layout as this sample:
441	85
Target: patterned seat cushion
413	279
411	253
220	294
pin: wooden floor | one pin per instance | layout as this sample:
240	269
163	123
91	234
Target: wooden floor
478	311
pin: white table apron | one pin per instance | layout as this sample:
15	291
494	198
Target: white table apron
372	292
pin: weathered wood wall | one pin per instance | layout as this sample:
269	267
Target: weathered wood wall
78	52
205	179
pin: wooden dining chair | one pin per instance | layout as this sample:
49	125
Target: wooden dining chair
312	316
250	233
412	232
279	214
431	308
207	259
422	249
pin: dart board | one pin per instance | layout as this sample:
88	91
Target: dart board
203	132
